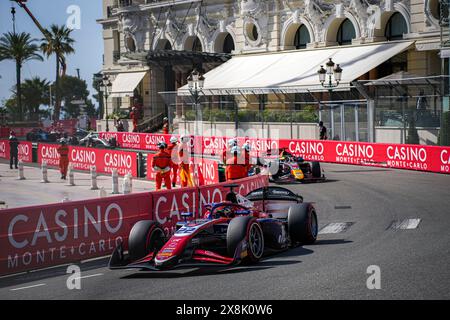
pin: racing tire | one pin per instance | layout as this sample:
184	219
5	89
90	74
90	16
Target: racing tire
302	223
145	236
316	170
247	228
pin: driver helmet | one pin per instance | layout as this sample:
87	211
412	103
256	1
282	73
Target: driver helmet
162	145
232	142
235	150
246	147
165	119
173	140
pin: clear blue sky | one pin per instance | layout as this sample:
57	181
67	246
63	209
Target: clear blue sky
88	45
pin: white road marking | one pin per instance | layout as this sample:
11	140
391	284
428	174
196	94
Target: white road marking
406	224
336	227
90	276
28	287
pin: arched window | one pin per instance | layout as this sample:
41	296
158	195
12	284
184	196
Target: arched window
346	33
197	45
228	44
301	38
396	27
130	44
167	45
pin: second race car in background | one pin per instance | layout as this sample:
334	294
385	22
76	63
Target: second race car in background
289	168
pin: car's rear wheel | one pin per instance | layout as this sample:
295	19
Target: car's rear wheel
246	228
302	223
316	170
146	236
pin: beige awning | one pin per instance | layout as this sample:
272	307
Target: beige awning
295	71
125	83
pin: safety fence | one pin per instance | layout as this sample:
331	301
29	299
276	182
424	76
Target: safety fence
49	235
400	156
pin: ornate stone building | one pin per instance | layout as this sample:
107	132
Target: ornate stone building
136	28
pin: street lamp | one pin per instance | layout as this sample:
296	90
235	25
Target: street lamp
196	81
330	71
105	87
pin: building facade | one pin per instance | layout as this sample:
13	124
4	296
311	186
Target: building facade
133	28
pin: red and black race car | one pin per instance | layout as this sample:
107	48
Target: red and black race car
239	230
289	168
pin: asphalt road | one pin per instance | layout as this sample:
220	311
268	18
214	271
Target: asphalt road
414	261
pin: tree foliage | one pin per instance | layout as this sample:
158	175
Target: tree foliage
19	47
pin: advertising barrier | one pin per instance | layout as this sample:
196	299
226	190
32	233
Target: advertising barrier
25	150
83	158
399	156
138	141
42	236
4	132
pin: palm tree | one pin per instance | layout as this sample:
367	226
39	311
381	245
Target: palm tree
60	44
21	48
35	93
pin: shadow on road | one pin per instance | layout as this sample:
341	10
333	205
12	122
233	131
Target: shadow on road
208	271
331	241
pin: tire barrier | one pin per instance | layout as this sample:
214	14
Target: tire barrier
42	236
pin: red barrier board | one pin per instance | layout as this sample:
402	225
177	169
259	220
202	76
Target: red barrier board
400	156
4	132
42	236
169	204
138	141
83	158
25	150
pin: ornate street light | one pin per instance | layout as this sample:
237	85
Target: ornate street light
331	71
196	82
105	87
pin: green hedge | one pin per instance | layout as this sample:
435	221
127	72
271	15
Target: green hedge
308	115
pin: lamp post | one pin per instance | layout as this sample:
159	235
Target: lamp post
332	70
196	82
105	87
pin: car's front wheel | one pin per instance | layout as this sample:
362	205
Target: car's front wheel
246	228
146	236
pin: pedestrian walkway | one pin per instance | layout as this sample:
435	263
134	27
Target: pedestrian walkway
18	193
